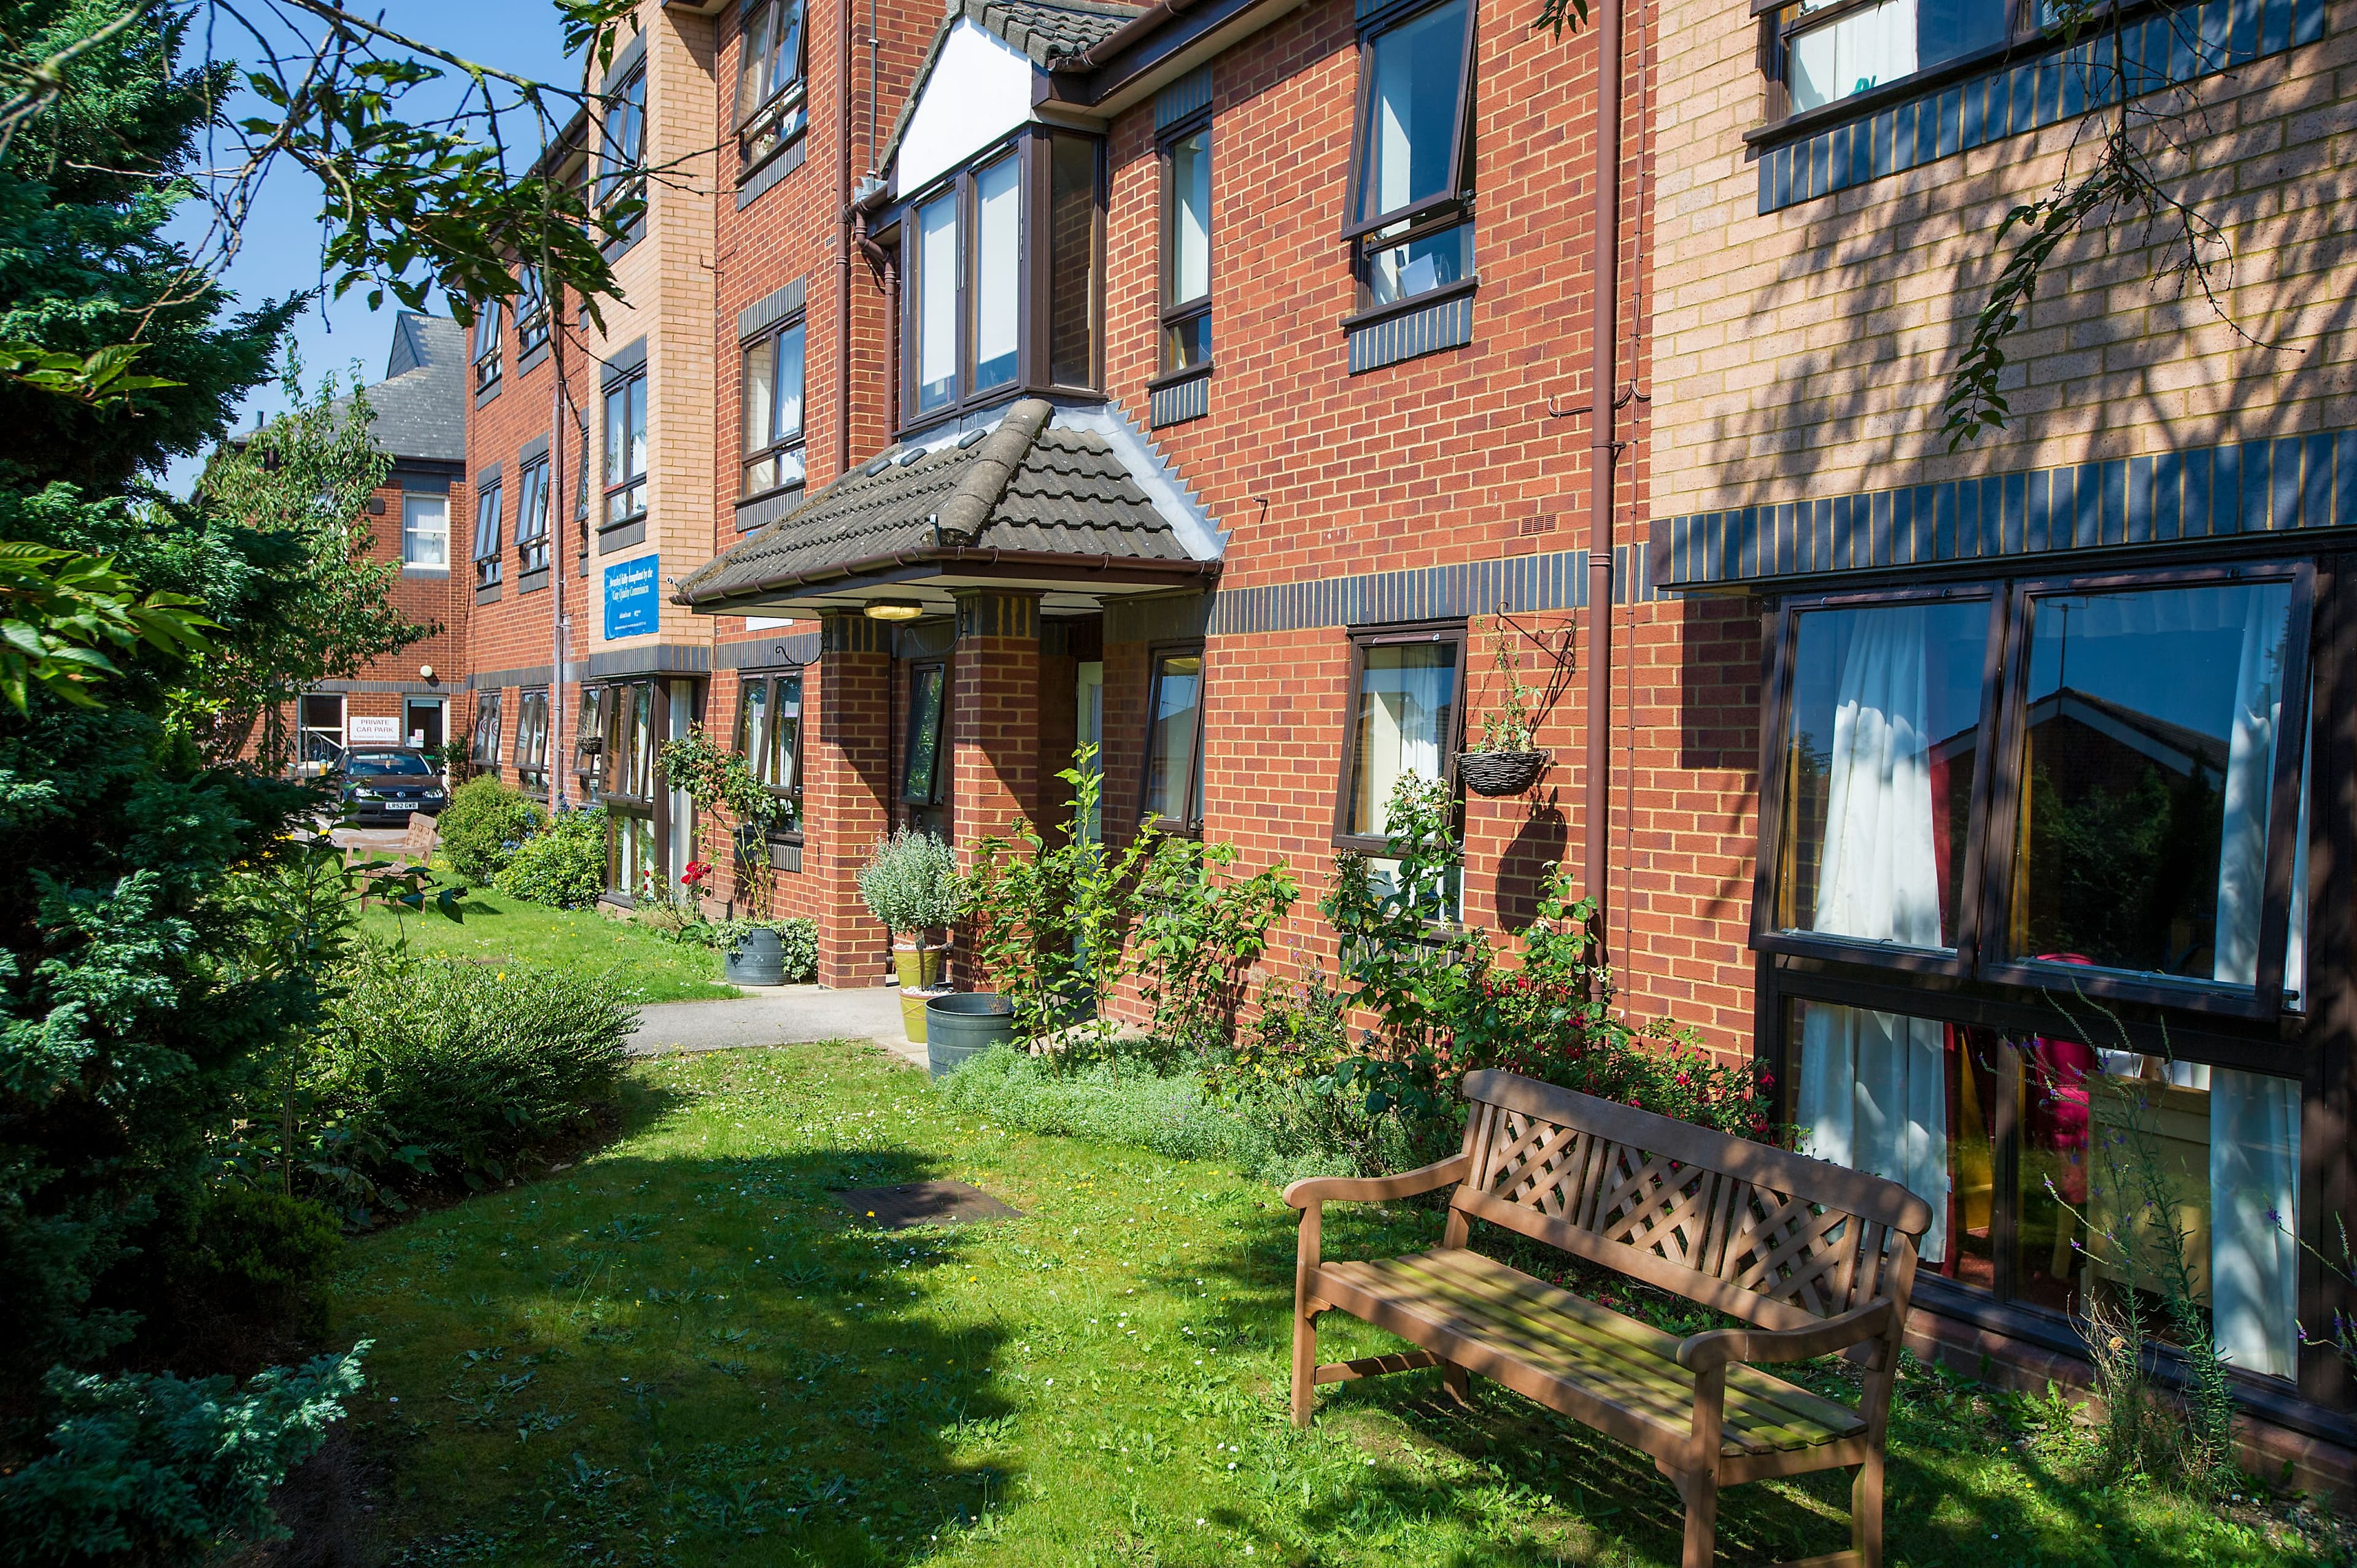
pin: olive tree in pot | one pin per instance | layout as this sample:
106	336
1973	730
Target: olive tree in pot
911	883
719	781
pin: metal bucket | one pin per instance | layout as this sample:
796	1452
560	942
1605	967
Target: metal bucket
962	1025
757	958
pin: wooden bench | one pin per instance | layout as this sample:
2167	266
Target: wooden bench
1822	1259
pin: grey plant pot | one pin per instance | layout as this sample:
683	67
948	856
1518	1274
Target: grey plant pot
758	959
962	1025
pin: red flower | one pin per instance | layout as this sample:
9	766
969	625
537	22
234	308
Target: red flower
697	870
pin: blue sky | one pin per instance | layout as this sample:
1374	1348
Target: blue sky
281	253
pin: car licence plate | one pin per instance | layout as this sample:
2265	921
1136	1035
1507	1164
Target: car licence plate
401	805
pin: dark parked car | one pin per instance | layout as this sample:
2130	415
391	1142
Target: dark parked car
388	786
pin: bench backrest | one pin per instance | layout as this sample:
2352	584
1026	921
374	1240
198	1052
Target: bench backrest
1777	1239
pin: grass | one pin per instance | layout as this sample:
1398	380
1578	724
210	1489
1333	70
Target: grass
683	1351
500	929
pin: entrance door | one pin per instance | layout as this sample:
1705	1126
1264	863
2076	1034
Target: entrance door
1090	730
321	743
421	722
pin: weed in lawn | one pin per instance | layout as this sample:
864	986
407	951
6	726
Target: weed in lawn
769	1380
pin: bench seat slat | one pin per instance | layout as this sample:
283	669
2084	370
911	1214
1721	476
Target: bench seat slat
1614	1359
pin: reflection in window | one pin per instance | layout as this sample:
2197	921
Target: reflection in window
483	749
531	518
626	449
920	782
532	739
1834	50
1174	742
998	272
589	741
770	736
1878	763
2149	768
1410	156
1406	724
1187	251
773	411
487	537
937	292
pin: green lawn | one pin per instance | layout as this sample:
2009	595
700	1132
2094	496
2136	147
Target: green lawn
681	1351
503	930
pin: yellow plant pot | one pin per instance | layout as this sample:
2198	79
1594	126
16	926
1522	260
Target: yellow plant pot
912	1010
919	969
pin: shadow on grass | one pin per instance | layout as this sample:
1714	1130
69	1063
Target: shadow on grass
683	1360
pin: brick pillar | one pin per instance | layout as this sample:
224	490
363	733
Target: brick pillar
849	782
995	716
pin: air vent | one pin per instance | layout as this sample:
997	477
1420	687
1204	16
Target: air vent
910	455
878	466
970	437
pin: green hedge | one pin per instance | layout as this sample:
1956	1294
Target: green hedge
484	824
563	865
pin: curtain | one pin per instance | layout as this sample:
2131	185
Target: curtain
1405	694
1860	51
2253	1119
1873	1091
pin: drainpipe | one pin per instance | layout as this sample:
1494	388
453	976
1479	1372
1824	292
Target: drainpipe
552	300
1604	377
887	267
843	240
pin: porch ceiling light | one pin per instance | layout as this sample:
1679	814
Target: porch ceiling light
894	609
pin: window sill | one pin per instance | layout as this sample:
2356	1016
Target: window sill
758	497
622	535
1376	314
439	573
485	394
532	582
1181	377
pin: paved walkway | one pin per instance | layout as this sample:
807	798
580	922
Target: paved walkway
775	1016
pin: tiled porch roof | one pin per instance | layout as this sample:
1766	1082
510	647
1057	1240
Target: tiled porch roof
1027	488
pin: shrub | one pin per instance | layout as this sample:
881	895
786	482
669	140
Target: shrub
484	824
563	865
797	938
159	1470
910	881
441	1066
259	1258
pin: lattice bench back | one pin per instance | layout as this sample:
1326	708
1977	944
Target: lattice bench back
1777	1239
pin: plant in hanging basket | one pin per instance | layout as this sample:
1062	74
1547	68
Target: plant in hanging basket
1506	762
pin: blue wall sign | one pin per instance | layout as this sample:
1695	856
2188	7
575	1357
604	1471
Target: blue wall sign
631	596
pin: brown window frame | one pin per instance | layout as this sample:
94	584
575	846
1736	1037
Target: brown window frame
1180	312
788	830
778	447
1781	21
532	736
532	547
483	750
489	360
621	178
531	317
1777	675
942	746
489	563
622	387
1459	190
589	742
1454	630
779	115
1190	823
621	699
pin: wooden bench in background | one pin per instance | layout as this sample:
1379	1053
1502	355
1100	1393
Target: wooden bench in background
1822	1259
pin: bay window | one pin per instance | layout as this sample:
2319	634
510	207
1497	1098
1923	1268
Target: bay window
770	110
1832	49
993	302
626	449
1187	251
1410	211
532	518
773	411
487	537
770	739
1174	743
1404	719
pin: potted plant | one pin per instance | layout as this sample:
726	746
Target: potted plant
1506	762
716	780
911	883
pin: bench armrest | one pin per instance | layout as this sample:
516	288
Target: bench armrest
1375	1189
1717	1347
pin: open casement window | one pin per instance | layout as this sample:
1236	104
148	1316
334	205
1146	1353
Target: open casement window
773	411
1410	222
532	518
484	750
532	739
2025	1141
2145	845
1006	288
489	318
531	311
1405	716
771	110
1187	251
622	147
589	742
629	750
1827	50
1173	790
1871	799
922	773
487	538
770	739
626	449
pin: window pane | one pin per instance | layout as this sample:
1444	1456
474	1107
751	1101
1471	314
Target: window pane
753	724
1878	769
426	531
788	402
753	67
2129	1142
638	390
760	387
921	785
618	424
1862	49
786	735
1170	739
997	271
1187	342
937	266
1426	263
1406	720
1950	29
1911	1099
1073	283
2148	771
1412	110
1189	219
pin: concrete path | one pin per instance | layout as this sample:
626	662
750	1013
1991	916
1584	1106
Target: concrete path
773	1017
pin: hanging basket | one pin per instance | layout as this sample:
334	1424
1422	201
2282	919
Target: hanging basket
1500	772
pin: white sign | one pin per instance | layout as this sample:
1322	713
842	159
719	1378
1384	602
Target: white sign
374	731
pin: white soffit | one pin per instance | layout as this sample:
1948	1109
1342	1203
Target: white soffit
980	88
